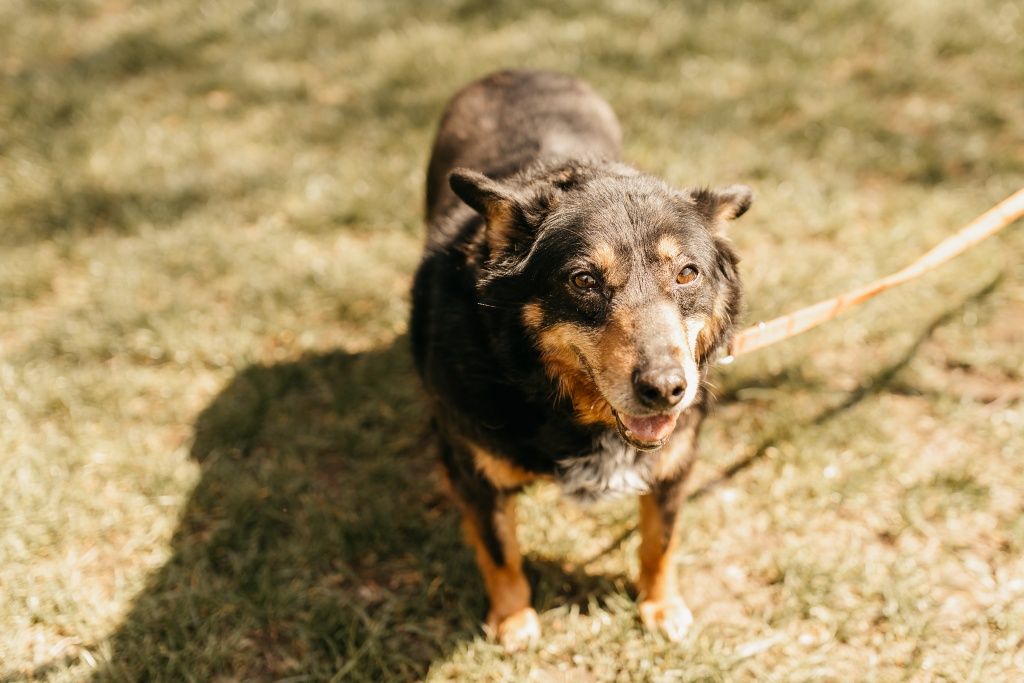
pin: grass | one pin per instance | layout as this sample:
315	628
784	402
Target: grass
211	439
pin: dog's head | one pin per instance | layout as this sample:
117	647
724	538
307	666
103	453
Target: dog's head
624	284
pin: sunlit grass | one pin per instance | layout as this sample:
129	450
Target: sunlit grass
211	438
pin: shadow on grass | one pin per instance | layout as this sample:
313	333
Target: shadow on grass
316	544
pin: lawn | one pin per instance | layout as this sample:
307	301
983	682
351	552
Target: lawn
212	443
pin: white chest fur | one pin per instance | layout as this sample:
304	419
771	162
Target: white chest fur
614	468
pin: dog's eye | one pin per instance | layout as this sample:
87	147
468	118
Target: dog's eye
584	281
687	275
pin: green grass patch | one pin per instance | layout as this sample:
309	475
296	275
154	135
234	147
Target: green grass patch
211	438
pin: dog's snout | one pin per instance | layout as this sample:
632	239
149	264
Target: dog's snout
659	388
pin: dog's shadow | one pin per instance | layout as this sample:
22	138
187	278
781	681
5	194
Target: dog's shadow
316	541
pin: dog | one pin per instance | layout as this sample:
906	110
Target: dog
564	317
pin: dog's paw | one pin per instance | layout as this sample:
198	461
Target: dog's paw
670	617
516	631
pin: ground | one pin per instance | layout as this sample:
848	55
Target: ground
212	444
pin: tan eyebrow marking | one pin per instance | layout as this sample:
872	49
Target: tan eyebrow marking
605	258
668	247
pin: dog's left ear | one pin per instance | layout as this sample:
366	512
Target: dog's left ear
722	203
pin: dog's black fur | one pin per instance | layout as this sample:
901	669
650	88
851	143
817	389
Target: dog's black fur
564	316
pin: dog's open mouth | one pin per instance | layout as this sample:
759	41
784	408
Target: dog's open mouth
646	433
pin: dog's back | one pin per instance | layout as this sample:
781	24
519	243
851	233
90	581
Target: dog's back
506	121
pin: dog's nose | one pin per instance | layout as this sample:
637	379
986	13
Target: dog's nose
659	388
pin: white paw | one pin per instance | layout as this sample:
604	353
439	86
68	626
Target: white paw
670	617
516	631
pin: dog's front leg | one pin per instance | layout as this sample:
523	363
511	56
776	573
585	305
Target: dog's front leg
489	522
492	533
661	606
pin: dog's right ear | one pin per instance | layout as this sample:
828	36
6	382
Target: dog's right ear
497	203
479	191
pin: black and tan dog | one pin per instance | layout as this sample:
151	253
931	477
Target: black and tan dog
564	317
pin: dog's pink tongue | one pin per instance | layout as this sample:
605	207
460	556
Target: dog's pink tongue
650	429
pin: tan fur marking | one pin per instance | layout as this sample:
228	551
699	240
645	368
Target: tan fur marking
499	225
563	177
604	257
507	589
617	350
713	327
706	337
533	316
613	354
502	473
668	247
657	580
558	346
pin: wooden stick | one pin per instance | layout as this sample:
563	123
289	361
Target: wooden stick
985	225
